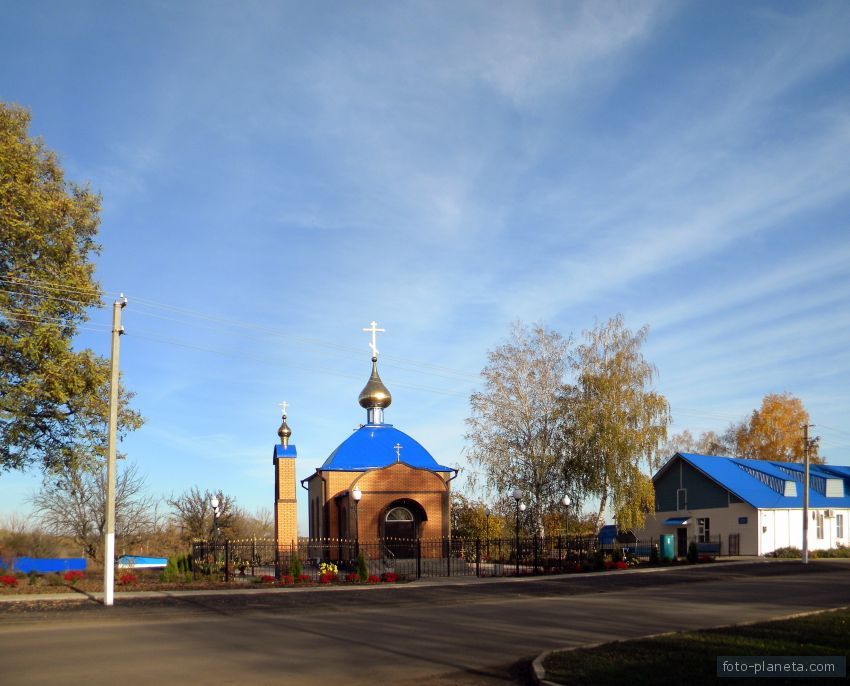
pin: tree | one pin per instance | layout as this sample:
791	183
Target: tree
470	520
708	443
616	421
50	395
775	431
515	432
72	503
193	513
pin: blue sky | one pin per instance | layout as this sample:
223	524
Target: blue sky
277	175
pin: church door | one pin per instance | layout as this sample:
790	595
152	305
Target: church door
400	532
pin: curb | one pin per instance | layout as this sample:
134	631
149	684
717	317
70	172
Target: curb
539	671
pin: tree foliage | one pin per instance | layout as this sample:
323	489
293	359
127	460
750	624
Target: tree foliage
515	430
775	431
616	421
51	397
708	443
73	503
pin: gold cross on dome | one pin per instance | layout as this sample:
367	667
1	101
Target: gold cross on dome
373	329
398	448
283	407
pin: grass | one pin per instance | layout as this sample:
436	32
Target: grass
691	657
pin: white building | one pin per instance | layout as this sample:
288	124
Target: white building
736	506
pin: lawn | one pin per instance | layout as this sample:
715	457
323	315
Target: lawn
691	657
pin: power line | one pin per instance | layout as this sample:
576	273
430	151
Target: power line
51	285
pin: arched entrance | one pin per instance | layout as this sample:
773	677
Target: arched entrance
400	523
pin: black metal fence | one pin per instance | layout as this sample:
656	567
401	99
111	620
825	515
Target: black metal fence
417	558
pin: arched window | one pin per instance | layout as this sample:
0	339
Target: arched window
399	514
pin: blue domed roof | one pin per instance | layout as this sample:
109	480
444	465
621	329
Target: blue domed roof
373	446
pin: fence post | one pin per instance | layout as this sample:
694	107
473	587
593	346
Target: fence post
227	560
449	558
418	558
560	555
478	557
534	556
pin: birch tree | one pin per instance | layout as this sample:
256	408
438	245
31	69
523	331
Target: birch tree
515	431
617	422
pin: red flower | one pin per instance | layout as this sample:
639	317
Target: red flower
127	579
286	579
327	578
352	576
73	576
304	579
389	577
8	580
621	565
266	579
373	579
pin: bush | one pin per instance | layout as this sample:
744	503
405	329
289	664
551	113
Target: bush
327	577
372	579
266	579
171	572
303	578
32	577
616	555
840	551
362	569
599	560
653	554
352	577
693	552
287	580
295	567
73	577
786	553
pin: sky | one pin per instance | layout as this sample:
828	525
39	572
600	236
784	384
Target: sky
275	176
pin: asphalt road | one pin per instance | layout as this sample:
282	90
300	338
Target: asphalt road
470	633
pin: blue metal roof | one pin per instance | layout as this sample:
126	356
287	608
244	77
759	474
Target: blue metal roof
766	484
373	446
676	521
288	451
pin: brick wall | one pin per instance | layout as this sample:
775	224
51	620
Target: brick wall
285	507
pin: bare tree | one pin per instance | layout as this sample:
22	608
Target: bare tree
515	431
73	503
193	513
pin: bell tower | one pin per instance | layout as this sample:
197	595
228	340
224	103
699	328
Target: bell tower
285	505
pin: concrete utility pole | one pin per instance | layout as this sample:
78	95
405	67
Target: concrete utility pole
806	494
109	547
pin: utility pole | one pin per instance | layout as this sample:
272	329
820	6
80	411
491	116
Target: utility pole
806	494
109	547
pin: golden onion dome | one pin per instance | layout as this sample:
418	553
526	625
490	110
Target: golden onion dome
374	393
284	432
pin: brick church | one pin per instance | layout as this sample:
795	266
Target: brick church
379	483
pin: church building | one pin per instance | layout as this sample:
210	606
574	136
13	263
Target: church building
378	484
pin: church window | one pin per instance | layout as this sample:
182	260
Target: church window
399	514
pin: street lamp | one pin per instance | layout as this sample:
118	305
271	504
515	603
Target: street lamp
520	507
356	494
566	503
216	512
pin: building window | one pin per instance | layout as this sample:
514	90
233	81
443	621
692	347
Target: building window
399	514
703	532
839	526
820	526
682	499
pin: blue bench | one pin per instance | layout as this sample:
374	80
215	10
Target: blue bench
708	548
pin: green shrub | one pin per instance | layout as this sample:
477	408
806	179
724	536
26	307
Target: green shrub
840	551
617	555
693	553
295	568
599	560
787	553
171	571
362	569
32	577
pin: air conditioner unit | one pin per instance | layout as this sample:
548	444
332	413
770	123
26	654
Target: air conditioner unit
829	513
